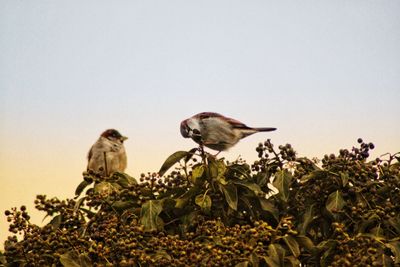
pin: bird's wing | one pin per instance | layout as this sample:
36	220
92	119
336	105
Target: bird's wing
90	154
234	123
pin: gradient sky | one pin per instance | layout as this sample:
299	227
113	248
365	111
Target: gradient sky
323	72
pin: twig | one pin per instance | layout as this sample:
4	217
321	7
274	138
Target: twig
105	162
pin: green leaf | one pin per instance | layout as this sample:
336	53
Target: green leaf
204	202
56	221
268	206
239	171
254	260
190	154
161	254
327	248
282	182
308	217
78	204
231	195
334	202
345	178
81	187
72	259
184	198
395	223
294	262
306	242
255	188
106	188
243	264
314	175
120	205
171	160
149	215
124	180
217	168
276	255
292	245
197	172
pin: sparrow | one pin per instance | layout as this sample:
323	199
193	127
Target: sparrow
108	155
216	131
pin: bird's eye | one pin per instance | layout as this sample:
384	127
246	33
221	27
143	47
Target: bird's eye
197	132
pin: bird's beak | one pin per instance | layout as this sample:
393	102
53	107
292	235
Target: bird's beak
123	138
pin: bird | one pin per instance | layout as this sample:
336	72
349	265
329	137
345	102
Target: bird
107	155
216	131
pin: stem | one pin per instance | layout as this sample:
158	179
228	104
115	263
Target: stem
105	162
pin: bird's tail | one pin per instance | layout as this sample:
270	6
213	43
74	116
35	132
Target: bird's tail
249	131
265	129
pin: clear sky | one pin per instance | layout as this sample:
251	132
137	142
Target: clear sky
323	72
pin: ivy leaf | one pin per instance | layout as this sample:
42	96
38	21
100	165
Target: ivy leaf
149	215
190	154
395	223
292	245
197	172
56	221
314	175
308	217
275	256
243	264
123	205
282	182
183	199
306	242
78	204
81	187
268	206
171	160
204	202
72	259
217	168
231	195
124	179
334	202
106	188
255	188
344	176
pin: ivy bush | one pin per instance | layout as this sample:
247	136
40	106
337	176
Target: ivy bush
341	211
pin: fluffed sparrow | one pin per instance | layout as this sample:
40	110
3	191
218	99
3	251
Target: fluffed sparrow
108	154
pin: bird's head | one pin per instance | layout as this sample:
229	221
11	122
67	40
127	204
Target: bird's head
186	132
113	135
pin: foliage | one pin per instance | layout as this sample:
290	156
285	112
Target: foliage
342	211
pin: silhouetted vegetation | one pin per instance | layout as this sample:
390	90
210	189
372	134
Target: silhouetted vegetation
341	211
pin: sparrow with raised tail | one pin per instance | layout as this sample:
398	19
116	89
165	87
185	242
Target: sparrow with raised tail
216	131
108	154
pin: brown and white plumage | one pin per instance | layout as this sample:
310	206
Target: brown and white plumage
108	154
216	131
